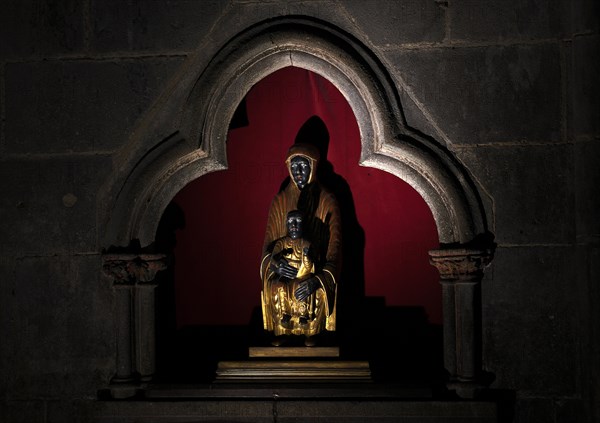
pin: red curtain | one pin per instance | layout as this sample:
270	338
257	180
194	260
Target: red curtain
217	254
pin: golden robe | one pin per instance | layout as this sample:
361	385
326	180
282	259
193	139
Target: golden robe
283	301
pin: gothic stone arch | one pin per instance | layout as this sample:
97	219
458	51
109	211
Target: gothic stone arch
137	197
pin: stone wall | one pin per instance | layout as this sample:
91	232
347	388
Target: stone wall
510	88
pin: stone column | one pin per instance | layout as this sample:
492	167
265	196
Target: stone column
461	271
145	315
133	281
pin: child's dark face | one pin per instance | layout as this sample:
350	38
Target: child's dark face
294	226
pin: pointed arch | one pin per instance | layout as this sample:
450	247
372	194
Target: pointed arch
198	145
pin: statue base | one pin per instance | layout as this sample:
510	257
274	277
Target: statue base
293	364
269	352
293	371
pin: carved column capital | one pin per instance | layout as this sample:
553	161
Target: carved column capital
129	269
461	264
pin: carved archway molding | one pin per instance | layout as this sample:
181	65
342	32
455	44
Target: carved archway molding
136	200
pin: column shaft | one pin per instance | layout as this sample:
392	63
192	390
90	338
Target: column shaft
124	334
145	331
449	329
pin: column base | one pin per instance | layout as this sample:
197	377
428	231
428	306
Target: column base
471	389
123	390
146	378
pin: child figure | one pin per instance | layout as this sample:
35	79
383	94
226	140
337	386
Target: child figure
296	251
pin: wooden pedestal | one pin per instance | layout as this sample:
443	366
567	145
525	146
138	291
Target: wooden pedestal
293	364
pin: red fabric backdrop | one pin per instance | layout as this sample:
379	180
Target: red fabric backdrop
217	254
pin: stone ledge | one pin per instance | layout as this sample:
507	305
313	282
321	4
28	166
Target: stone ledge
258	411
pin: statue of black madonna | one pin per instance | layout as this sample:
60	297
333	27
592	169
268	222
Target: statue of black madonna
308	306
